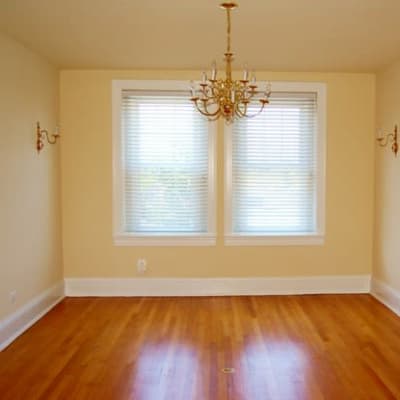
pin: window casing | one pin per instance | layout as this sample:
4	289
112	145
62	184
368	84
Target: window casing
275	170
164	157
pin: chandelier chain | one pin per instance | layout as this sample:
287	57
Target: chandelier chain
228	30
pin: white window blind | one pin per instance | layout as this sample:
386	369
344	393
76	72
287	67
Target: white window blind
274	176
165	162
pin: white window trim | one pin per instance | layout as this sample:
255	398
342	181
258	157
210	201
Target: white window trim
317	238
121	238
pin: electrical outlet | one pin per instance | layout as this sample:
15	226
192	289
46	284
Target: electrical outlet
141	265
13	296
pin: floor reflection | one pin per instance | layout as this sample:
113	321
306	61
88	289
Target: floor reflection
278	369
165	370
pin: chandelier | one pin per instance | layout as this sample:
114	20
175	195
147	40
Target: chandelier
228	98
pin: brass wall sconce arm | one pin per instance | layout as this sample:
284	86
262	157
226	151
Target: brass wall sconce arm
391	138
42	134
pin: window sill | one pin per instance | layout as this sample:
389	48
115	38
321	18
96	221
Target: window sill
125	239
274	240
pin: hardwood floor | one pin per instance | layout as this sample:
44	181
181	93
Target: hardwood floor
339	347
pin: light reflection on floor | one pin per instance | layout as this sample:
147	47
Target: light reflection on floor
257	365
276	368
154	371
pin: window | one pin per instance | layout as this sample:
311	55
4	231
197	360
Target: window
163	166
275	170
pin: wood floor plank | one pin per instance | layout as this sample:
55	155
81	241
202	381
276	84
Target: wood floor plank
317	347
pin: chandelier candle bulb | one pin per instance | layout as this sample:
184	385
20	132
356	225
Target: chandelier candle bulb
245	73
214	71
192	89
233	96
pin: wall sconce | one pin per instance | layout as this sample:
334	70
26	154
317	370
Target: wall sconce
391	138
41	134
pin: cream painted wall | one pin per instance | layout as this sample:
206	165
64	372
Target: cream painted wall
387	195
30	231
85	104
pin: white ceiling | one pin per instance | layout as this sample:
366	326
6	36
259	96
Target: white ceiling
284	35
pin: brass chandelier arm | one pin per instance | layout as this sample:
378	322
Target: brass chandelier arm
261	109
206	97
210	116
211	119
205	112
205	108
244	114
241	113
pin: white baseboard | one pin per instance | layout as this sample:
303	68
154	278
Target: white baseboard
216	286
386	295
17	323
